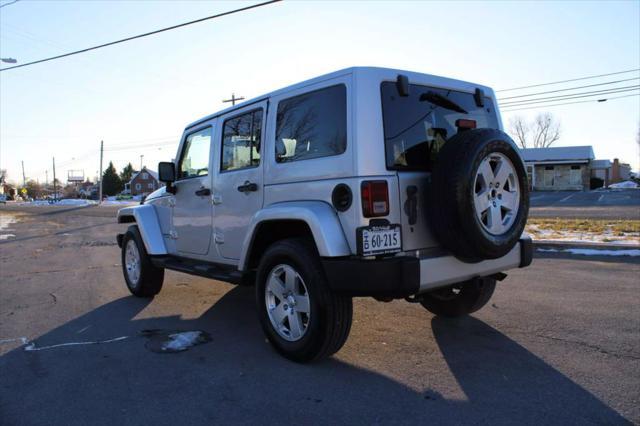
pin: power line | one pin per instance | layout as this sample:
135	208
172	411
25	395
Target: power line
8	4
567	81
173	27
149	145
571	96
571	88
569	103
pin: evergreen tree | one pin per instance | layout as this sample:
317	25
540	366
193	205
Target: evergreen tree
111	182
126	173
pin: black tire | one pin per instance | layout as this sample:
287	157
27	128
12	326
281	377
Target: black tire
450	196
330	316
460	299
151	277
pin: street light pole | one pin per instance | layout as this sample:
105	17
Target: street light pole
101	177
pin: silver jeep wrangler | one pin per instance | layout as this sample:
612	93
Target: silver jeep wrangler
363	182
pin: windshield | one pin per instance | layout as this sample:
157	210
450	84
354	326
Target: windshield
416	126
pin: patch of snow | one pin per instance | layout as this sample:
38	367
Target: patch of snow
120	203
593	252
5	221
182	341
64	202
75	202
624	185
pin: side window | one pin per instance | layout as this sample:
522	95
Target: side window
312	125
195	155
241	141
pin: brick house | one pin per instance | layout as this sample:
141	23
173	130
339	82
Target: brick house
143	183
620	171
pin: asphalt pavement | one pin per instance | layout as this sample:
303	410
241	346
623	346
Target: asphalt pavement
598	204
559	343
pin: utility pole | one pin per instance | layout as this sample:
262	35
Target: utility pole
46	182
233	99
141	155
55	187
24	180
101	151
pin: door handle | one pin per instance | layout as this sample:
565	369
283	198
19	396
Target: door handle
248	187
203	192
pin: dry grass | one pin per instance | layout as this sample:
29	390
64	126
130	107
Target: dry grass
600	226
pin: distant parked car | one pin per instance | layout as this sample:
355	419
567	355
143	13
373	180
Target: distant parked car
3	199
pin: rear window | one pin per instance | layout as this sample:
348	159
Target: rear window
416	126
312	125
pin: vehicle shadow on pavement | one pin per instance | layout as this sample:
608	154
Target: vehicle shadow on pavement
238	377
502	377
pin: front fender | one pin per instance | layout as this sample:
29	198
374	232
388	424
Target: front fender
147	220
318	215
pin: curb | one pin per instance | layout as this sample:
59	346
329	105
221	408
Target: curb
581	244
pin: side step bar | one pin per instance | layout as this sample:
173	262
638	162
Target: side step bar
203	269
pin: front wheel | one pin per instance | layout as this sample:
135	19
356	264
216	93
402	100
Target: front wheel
301	317
142	278
459	299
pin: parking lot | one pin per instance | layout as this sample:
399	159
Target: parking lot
599	204
559	343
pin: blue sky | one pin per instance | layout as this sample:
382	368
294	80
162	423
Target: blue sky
145	91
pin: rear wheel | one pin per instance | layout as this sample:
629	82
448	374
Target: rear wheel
142	278
459	299
300	316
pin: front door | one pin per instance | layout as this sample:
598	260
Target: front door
238	191
192	214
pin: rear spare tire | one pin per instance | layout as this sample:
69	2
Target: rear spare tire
478	199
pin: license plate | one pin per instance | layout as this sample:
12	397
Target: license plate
374	240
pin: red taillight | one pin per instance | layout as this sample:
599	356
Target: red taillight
375	198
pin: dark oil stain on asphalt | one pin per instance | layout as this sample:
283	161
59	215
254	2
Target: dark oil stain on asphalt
172	341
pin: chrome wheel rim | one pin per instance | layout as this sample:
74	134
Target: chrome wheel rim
287	302
132	263
496	194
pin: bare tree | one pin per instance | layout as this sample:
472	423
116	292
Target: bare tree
519	129
541	133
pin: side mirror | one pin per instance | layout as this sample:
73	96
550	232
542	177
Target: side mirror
166	172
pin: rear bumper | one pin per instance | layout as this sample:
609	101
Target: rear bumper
399	277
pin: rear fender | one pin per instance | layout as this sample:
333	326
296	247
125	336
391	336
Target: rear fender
146	218
318	215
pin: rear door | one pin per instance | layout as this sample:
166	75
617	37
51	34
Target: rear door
238	190
192	213
415	129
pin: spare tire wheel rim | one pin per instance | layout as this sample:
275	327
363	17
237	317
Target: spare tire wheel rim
287	302
496	194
